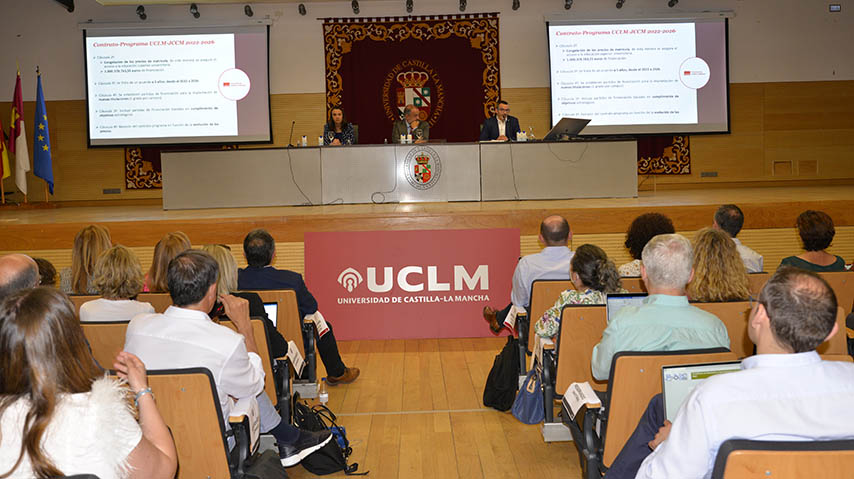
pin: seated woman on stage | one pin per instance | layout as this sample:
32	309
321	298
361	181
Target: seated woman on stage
118	276
338	131
593	275
719	272
817	231
89	243
166	249
643	229
59	414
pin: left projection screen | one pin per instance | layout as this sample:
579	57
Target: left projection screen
173	86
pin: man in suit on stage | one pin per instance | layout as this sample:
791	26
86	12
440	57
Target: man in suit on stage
502	126
411	125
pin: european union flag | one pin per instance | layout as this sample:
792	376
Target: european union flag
42	164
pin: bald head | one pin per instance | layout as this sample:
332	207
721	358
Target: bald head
554	231
17	272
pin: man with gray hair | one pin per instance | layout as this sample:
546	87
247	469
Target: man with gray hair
729	218
665	321
17	272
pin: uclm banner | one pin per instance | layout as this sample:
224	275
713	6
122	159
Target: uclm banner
410	284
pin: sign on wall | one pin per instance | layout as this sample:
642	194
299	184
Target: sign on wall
410	284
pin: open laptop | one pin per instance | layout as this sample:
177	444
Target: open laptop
616	301
272	310
568	127
678	381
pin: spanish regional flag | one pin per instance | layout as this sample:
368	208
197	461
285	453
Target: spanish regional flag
4	154
42	164
18	139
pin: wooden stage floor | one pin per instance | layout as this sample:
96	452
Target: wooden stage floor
143	225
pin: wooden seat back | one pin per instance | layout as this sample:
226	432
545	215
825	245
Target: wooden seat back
734	315
262	342
838	344
755	282
635	379
633	284
288	322
106	340
544	294
189	404
743	459
78	299
581	329
160	301
845	358
842	283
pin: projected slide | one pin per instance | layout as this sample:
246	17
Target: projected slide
639	77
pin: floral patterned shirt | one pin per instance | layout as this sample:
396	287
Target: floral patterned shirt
630	269
549	324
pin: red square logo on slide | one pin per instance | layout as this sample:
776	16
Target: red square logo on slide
410	284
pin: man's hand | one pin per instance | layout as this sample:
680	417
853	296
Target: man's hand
237	310
661	435
502	138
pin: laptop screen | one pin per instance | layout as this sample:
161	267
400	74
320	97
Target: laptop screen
272	309
615	302
678	381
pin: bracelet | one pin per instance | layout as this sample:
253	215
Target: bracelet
140	394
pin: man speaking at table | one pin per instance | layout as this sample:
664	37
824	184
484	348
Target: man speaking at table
411	125
502	126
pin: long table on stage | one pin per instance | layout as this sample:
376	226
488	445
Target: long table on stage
430	172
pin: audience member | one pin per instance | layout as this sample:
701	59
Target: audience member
730	219
665	321
184	337
593	275
550	263
783	393
170	246
118	276
47	272
17	272
260	249
643	229
89	243
817	231
226	283
719	273
59	415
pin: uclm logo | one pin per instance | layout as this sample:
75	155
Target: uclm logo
412	279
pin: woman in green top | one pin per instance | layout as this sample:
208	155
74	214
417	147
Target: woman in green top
816	230
593	275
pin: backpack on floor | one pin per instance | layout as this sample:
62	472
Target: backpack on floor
503	380
332	457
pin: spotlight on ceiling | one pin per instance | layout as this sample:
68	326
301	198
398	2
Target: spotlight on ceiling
194	10
463	5
140	12
355	5
516	5
568	4
301	9
409	5
247	10
620	3
672	3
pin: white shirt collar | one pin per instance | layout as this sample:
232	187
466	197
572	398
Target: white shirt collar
177	312
780	360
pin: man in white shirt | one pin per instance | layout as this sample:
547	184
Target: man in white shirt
184	336
783	393
729	218
550	263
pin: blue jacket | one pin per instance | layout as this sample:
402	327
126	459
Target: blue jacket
268	277
490	128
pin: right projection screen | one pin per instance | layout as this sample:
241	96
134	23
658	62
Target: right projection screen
641	76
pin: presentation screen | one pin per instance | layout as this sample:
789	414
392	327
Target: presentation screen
167	86
641	77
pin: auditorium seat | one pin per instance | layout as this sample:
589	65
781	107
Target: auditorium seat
78	299
845	358
635	378
106	339
544	294
744	459
755	282
842	283
580	330
734	315
160	301
633	284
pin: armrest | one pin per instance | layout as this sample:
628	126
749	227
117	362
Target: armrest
282	376
522	332
308	333
245	423
548	382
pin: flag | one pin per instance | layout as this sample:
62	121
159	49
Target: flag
42	165
18	139
4	155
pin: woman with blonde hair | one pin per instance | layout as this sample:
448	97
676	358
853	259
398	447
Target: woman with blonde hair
59	414
118	276
719	273
166	249
227	284
89	243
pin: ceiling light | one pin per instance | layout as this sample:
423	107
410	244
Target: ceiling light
463	5
247	10
516	5
140	12
301	9
194	10
355	6
568	4
409	6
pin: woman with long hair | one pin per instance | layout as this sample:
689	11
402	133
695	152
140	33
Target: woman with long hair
719	272
337	130
593	275
89	243
169	246
59	415
118	276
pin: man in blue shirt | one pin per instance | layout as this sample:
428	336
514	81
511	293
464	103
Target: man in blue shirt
665	322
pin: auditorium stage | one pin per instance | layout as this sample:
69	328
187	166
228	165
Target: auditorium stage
142	225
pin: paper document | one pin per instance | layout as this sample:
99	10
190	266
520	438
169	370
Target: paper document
510	319
295	357
319	323
580	394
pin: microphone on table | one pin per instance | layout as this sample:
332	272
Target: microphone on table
291	137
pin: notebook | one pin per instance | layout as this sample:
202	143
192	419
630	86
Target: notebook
617	301
678	381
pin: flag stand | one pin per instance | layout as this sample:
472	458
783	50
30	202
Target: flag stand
2	192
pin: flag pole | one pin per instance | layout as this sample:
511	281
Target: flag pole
2	192
46	193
